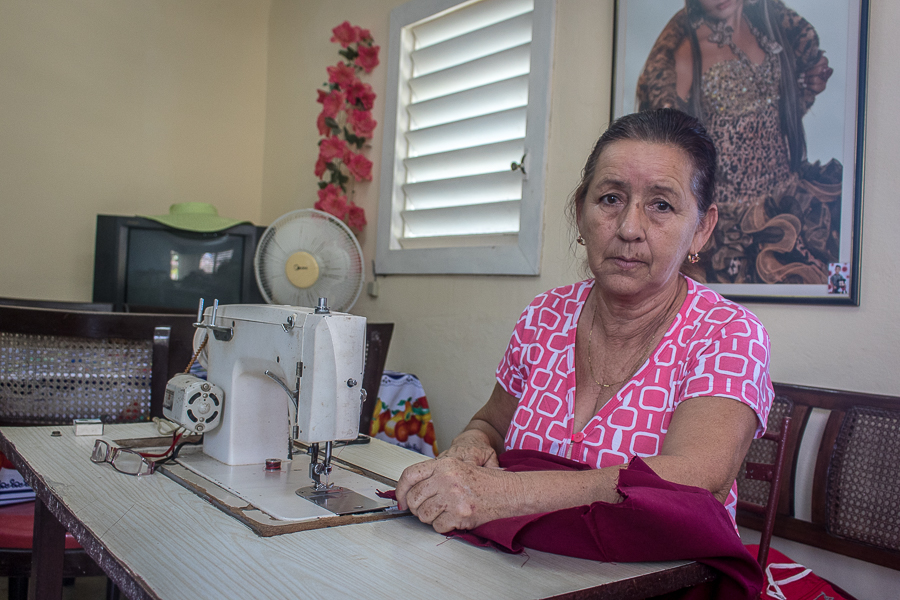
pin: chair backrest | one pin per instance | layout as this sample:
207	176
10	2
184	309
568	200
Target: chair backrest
853	488
56	365
862	492
378	340
770	472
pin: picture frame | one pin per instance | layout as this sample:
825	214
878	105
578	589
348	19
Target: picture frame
797	238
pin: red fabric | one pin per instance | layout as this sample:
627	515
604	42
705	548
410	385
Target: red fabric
656	521
17	527
5	463
808	587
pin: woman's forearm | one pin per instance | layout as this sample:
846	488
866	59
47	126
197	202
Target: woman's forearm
482	430
545	491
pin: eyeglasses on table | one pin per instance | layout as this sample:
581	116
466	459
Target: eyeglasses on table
122	460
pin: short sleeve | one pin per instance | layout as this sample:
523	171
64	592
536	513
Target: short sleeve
512	373
733	363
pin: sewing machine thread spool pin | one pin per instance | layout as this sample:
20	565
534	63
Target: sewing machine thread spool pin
322	307
199	314
221	333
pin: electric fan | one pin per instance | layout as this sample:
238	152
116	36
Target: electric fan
306	255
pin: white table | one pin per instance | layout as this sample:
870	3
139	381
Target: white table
156	539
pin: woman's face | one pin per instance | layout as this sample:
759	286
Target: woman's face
720	10
640	219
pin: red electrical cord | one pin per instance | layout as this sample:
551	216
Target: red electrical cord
175	437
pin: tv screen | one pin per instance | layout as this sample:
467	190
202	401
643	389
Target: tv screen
140	264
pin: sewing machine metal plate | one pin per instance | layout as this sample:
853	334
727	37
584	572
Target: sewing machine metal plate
339	500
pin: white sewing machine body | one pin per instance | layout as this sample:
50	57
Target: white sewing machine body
317	357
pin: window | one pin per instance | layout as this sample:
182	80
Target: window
465	131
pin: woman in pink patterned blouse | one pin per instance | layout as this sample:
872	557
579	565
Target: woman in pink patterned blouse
638	360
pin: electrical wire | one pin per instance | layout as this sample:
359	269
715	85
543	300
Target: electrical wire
175	438
177	449
197	353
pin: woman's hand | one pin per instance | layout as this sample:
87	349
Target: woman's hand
817	77
449	494
472	446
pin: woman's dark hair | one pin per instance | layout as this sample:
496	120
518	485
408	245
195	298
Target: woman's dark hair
763	16
666	126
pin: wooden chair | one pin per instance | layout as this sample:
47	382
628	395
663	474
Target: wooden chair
857	428
57	365
771	472
378	340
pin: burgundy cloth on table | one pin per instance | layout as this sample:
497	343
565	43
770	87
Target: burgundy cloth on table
657	520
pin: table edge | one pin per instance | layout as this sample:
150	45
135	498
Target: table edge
129	583
644	586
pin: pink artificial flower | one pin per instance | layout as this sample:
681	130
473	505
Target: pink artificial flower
359	166
321	166
368	57
346	34
332	201
342	75
362	94
320	124
332	147
356	217
364	35
362	122
332	102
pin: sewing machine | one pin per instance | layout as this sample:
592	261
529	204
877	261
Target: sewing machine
276	375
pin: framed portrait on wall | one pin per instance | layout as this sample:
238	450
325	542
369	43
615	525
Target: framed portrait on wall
780	87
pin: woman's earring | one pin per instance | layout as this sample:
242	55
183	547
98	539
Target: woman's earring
694	258
580	240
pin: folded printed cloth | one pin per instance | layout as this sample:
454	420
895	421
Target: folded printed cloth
656	520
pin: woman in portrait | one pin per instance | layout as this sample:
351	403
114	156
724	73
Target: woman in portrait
750	70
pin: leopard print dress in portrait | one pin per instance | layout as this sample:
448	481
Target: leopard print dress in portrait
775	225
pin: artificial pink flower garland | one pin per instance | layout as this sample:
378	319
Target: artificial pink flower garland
346	124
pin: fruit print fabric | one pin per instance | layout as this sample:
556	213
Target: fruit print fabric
402	416
714	347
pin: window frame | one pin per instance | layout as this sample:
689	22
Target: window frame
521	258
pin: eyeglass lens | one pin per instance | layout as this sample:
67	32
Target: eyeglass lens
101	451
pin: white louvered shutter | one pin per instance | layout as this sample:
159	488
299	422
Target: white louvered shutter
462	120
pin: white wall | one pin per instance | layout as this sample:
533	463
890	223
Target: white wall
121	107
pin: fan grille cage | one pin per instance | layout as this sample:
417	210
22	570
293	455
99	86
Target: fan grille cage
332	245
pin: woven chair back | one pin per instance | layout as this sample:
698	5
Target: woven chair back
863	489
47	380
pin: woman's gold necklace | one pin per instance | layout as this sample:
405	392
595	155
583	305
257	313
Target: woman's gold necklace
638	366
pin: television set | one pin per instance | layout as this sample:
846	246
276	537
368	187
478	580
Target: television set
141	265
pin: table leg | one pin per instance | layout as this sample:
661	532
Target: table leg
47	553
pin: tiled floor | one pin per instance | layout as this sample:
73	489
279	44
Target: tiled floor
85	588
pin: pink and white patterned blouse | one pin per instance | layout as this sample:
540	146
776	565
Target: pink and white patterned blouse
714	347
